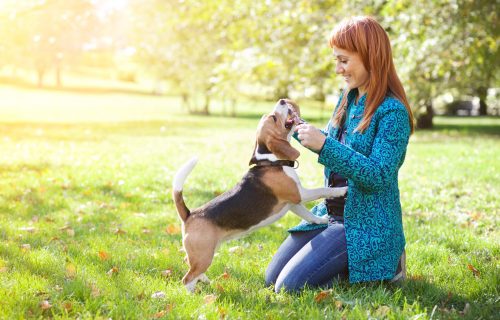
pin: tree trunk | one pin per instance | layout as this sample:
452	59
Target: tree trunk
40	73
206	107
58	77
424	120
482	92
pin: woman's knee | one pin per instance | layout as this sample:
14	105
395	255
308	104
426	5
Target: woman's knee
289	284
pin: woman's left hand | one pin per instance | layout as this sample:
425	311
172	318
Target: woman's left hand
310	137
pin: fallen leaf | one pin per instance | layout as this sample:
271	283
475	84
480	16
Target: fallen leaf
67	305
474	270
28	229
382	311
236	250
119	231
70	270
166	273
222	312
173	229
95	292
112	271
25	247
209	299
103	255
3	269
225	275
159	314
338	305
70	232
321	296
158	295
220	288
45	305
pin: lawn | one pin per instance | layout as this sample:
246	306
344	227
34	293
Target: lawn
88	228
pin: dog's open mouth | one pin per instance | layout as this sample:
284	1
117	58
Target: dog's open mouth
291	119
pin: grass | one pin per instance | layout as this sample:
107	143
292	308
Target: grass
88	229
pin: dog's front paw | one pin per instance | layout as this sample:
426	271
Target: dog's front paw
337	192
320	220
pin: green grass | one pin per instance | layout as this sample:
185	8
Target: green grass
84	174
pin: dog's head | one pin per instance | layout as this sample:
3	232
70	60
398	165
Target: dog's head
275	131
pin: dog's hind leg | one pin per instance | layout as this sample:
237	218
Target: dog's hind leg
200	252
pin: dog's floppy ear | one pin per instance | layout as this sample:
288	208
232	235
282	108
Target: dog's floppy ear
282	149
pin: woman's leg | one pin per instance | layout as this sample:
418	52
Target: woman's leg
319	262
286	251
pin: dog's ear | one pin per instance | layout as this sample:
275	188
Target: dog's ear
282	149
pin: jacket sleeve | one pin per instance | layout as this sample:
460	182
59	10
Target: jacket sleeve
389	147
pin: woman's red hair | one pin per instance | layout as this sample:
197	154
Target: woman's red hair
365	36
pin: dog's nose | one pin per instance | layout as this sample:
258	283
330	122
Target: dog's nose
282	102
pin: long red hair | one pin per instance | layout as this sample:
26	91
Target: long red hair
365	36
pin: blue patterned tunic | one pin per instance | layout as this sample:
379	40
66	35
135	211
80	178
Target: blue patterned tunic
370	161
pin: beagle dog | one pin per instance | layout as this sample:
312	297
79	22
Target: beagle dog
267	192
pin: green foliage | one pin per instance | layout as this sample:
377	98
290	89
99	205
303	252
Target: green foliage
88	189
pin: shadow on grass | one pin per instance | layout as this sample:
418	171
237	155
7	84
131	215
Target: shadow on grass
23	84
467	126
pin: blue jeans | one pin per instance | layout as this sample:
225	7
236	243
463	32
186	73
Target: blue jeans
314	258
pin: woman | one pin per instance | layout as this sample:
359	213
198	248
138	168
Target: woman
363	146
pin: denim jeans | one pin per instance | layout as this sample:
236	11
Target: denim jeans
314	258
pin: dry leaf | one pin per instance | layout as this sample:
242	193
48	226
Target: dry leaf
474	270
159	314
382	311
158	295
45	305
236	250
70	270
225	275
338	305
25	247
28	229
119	231
112	271
67	305
173	229
209	299
103	255
321	296
222	312
3	269
166	273
95	292
220	288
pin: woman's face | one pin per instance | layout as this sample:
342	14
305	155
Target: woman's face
350	66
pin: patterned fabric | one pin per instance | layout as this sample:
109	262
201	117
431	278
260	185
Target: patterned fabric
370	161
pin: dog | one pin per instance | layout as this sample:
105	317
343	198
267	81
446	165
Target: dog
268	190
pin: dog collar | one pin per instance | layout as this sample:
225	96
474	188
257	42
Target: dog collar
277	163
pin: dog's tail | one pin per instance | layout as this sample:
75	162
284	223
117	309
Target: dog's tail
179	179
